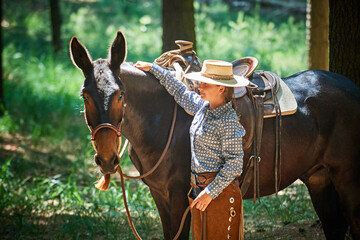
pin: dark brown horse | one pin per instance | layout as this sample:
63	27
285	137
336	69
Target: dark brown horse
320	141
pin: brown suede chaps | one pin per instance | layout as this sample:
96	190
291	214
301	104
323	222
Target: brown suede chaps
222	219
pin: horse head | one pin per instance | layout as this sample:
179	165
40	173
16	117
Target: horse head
103	95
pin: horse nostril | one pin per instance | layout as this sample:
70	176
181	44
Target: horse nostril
116	161
98	160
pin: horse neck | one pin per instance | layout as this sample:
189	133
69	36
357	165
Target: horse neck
148	112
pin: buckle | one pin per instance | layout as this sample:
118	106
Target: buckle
198	179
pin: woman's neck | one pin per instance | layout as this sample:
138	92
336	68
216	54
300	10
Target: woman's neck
216	104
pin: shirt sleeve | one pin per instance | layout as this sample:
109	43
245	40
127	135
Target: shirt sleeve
232	151
189	100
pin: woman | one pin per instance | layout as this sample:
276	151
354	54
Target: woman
216	147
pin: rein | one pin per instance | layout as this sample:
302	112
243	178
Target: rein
162	157
163	153
122	175
141	176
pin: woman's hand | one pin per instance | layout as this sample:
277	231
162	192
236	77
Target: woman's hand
201	201
145	66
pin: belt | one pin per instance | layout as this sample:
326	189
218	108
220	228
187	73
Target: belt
202	179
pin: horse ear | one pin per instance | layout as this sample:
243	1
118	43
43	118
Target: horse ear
117	52
80	57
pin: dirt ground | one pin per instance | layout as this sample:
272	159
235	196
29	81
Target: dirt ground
298	231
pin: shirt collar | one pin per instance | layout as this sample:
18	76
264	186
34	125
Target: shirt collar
222	110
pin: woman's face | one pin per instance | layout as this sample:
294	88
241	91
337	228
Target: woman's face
211	92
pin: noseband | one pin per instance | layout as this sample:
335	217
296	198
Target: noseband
108	126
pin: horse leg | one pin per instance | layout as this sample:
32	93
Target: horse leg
342	160
347	183
171	209
162	206
179	203
326	203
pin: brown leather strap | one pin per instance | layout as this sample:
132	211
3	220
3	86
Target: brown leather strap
277	142
192	230
126	205
259	120
129	216
246	176
203	225
202	179
164	151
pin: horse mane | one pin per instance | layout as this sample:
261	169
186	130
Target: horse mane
142	81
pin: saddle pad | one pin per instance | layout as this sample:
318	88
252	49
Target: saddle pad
287	102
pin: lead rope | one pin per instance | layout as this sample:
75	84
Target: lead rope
129	216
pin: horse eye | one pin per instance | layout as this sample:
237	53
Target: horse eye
85	99
120	95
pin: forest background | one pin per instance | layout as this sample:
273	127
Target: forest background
46	165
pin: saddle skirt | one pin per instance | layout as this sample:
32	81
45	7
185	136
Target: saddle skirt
287	102
266	83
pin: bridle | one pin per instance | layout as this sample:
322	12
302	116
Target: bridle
118	134
110	126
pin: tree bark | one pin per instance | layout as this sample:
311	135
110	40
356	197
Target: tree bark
178	23
317	21
345	38
2	101
56	20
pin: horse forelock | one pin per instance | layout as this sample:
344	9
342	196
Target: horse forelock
105	81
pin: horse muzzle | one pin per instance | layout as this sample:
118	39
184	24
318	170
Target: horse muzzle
109	166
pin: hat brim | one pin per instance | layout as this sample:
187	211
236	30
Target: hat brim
237	81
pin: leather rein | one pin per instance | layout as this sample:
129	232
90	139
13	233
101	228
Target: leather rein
162	157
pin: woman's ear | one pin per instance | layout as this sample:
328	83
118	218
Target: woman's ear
222	89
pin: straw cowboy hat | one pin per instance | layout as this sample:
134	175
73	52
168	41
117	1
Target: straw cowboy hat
218	73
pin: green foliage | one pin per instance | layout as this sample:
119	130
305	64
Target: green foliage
42	96
279	48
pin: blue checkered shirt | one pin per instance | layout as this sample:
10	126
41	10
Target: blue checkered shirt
215	135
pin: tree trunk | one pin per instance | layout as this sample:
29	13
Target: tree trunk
55	16
2	101
345	38
178	23
317	21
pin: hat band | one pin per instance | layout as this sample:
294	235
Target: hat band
217	77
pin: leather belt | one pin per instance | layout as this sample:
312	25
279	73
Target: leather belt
202	179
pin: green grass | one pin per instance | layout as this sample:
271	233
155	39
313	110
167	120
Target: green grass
30	207
46	164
